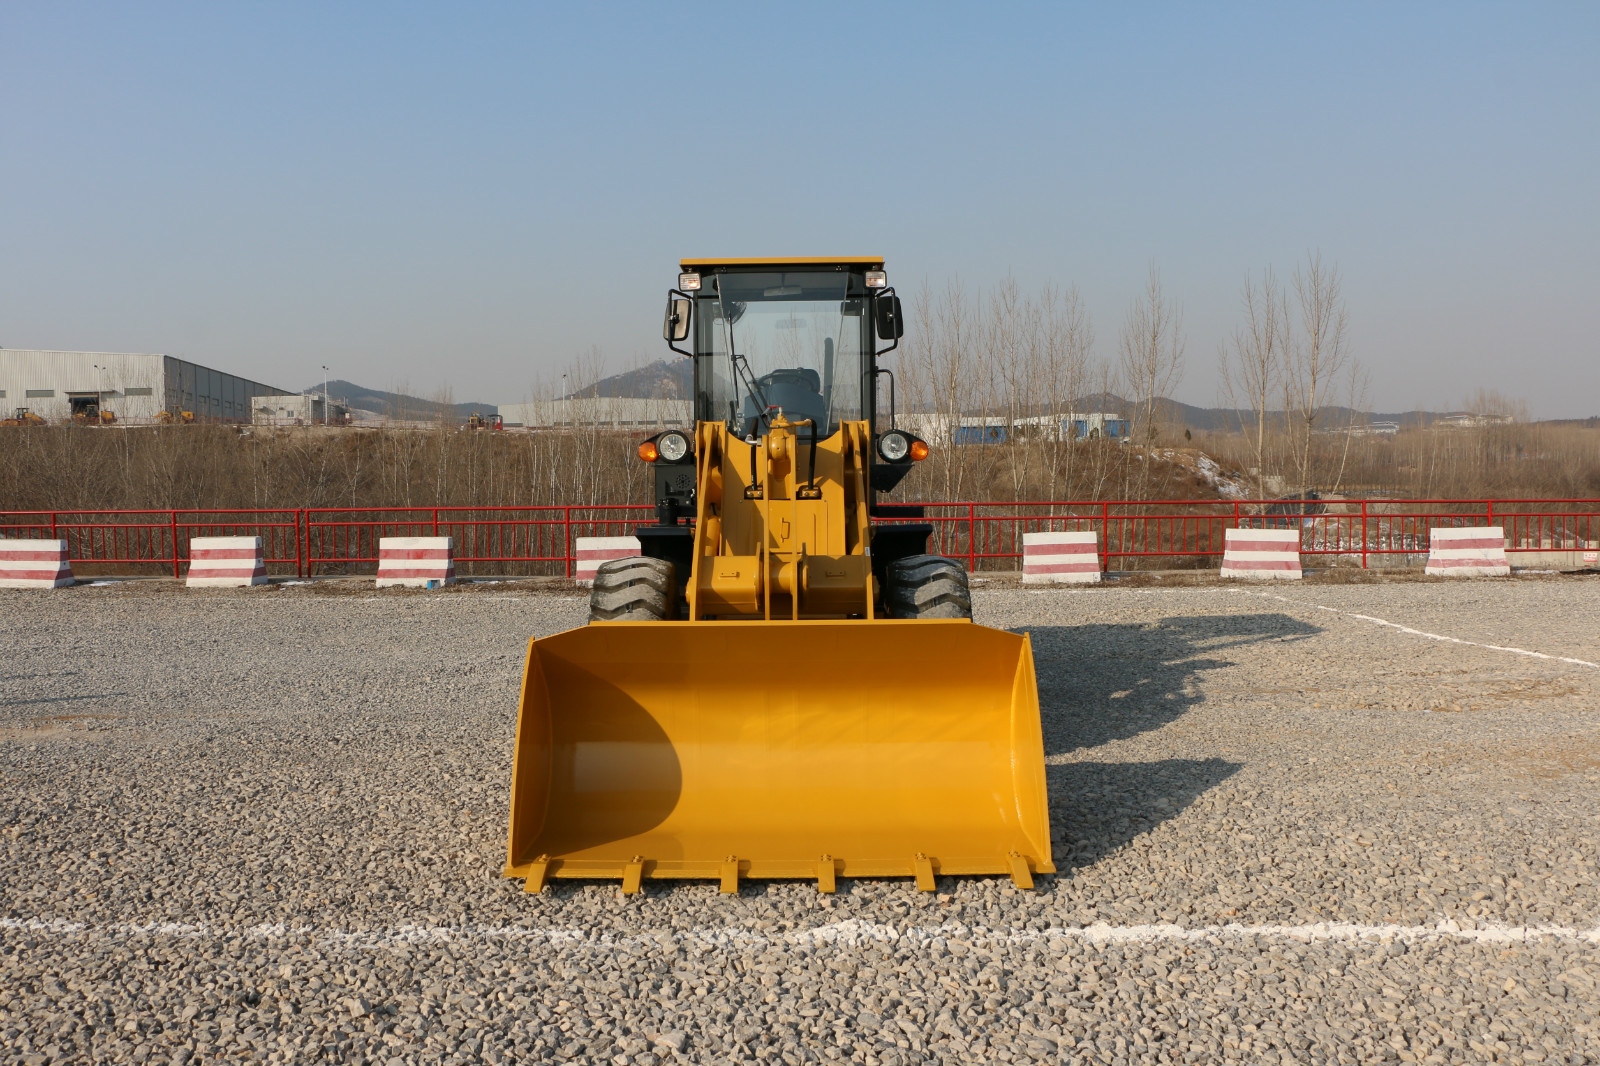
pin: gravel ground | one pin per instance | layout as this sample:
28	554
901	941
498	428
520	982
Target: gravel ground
268	825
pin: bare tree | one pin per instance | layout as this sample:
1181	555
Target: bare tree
1013	371
1249	364
945	355
1317	357
1102	451
1065	337
1357	394
1152	348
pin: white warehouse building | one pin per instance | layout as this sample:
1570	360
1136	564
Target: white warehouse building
597	412
305	409
134	387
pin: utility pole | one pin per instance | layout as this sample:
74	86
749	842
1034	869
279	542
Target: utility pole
324	396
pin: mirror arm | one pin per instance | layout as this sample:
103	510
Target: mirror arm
675	292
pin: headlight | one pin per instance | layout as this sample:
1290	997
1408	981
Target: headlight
688	282
894	445
673	446
877	279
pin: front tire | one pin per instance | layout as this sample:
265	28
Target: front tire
640	589
928	586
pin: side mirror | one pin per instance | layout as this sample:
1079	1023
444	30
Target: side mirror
676	326
891	325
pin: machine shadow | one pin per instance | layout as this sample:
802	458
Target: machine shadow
1101	683
1097	807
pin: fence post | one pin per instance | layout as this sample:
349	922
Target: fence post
1105	536
436	521
566	532
174	516
972	537
301	548
1363	534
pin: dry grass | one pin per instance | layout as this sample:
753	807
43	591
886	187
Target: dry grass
1502	461
212	467
219	467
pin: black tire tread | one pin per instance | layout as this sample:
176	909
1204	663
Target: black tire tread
928	586
639	589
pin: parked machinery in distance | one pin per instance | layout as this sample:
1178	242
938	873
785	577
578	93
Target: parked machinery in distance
23	417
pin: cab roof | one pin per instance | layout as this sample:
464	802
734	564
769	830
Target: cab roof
792	260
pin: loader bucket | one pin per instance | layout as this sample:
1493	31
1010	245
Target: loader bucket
797	749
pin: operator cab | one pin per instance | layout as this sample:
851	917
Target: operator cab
796	336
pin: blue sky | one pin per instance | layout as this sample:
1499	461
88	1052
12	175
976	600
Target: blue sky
470	195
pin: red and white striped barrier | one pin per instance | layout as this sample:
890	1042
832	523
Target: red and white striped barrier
1060	558
590	552
1467	551
1262	554
34	564
226	562
418	562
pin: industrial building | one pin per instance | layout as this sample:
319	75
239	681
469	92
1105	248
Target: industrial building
993	429
304	409
597	412
135	388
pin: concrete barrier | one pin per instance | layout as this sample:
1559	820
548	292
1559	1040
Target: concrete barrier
225	562
590	552
1060	558
1261	554
34	564
416	561
1467	551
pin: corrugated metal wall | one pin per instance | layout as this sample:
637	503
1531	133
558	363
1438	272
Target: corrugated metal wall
122	379
613	411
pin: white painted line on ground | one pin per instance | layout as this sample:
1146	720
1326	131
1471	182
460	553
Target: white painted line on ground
847	933
497	597
1421	633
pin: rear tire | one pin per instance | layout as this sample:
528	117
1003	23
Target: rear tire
928	586
640	589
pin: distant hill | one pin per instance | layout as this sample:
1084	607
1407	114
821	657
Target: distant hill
661	380
397	404
674	380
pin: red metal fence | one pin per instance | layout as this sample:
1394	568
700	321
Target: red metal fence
541	540
1334	532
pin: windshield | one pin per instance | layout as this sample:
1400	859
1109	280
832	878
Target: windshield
787	341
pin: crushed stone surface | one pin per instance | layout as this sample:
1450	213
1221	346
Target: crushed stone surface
268	825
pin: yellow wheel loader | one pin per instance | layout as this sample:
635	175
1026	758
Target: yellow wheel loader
784	684
23	417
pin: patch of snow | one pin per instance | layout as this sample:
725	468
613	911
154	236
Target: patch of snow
1207	469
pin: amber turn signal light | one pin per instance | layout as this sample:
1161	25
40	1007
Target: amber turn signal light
919	451
648	452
